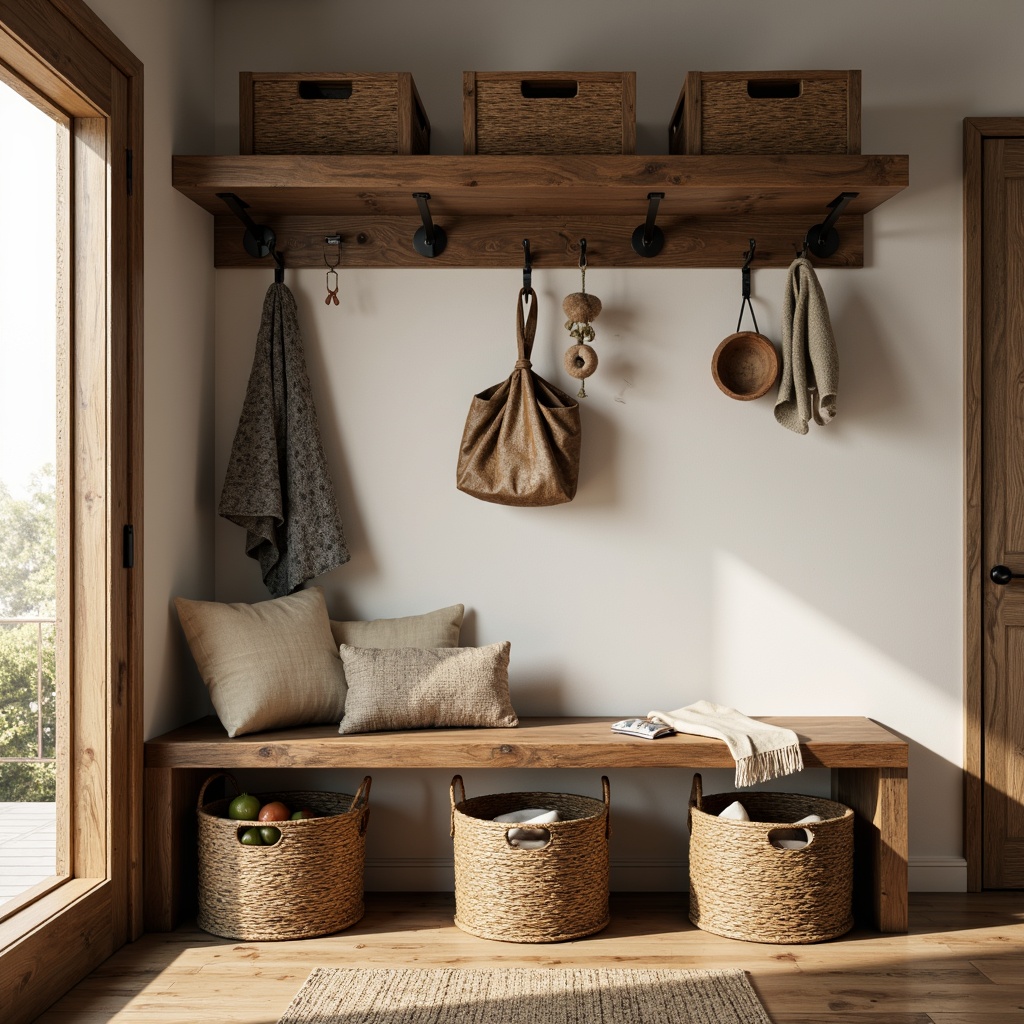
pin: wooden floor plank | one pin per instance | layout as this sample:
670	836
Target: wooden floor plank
1002	970
961	963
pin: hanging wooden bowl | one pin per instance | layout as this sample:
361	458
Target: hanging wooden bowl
745	366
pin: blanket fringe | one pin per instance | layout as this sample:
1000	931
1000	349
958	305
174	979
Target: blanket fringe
769	764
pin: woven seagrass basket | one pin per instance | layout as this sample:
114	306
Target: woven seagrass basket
744	887
309	883
552	894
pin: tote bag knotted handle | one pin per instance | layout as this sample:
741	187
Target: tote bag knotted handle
525	332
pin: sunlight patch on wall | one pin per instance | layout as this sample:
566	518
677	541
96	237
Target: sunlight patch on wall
774	653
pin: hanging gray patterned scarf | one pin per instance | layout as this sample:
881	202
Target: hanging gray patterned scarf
277	486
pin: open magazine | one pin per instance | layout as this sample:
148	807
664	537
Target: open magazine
643	727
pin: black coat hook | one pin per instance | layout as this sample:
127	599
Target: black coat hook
430	239
747	260
527	269
648	239
823	239
259	240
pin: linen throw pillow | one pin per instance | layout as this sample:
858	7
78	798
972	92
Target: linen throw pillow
440	628
420	688
268	665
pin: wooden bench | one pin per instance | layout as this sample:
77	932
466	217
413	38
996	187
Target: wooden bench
868	764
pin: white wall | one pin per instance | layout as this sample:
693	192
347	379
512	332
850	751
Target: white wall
709	553
173	39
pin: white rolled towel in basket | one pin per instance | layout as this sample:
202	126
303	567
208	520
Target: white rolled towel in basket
529	838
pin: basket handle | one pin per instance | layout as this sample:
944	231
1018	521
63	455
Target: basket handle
362	796
606	792
213	778
696	799
362	799
451	796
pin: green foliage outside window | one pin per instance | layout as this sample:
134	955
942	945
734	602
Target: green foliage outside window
28	590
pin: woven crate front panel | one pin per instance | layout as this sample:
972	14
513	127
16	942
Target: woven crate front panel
743	887
380	115
599	119
740	114
553	894
309	883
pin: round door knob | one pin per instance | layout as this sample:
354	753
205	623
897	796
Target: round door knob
1002	575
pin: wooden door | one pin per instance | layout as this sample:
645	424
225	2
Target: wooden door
1002	513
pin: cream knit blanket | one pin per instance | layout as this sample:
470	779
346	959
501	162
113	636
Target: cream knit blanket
810	361
761	752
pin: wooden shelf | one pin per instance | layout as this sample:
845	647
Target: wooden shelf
828	742
488	204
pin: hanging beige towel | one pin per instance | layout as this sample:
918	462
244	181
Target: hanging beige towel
810	361
277	486
761	752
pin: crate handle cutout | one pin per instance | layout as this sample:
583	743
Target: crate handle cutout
774	88
325	90
541	90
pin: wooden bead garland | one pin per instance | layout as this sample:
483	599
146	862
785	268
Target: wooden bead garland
581	309
580	361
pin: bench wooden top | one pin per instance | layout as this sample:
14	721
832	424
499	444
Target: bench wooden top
827	742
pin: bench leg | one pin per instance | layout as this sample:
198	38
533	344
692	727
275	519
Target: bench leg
169	814
878	797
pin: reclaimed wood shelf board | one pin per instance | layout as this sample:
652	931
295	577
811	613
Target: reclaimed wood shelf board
488	204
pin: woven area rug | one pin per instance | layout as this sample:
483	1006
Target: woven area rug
525	996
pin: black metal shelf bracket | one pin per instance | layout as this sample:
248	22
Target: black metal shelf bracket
430	239
823	239
648	238
259	240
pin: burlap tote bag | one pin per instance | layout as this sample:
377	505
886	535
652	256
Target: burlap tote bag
521	444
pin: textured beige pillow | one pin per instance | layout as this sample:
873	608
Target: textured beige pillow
268	665
417	688
439	628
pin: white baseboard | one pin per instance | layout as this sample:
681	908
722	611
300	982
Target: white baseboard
437	874
937	874
409	874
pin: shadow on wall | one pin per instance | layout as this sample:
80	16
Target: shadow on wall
873	391
362	564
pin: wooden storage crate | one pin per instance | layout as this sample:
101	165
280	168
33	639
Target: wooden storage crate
767	112
336	112
548	112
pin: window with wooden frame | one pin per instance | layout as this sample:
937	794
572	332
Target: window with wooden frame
60	57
